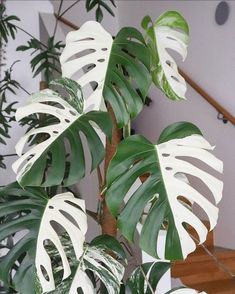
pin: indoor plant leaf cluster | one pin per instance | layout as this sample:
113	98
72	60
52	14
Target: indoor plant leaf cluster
7	109
7	28
97	71
46	60
99	4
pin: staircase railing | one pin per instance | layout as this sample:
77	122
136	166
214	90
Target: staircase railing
227	116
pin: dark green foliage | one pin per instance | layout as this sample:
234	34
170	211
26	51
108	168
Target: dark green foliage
55	166
128	75
99	5
136	156
7	28
7	110
20	210
109	243
153	271
46	57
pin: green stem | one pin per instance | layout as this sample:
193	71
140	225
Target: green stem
127	130
8	155
27	33
67	9
56	23
22	88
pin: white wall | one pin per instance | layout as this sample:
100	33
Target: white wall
211	63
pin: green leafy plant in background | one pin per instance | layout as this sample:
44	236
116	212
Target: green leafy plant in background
7	28
43	224
46	60
7	109
98	5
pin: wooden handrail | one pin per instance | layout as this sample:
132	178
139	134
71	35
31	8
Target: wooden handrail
226	114
66	22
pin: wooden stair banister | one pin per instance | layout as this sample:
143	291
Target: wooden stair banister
226	114
66	22
212	273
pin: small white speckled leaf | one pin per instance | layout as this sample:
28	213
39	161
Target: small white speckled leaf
110	273
170	31
69	212
194	146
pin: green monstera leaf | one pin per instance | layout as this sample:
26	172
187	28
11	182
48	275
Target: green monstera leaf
32	228
166	169
170	31
146	277
59	157
117	70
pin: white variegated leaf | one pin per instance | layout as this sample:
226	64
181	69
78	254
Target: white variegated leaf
66	115
97	63
93	39
46	163
170	31
111	274
104	267
181	154
69	212
196	147
48	233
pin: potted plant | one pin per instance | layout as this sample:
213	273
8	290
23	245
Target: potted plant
105	82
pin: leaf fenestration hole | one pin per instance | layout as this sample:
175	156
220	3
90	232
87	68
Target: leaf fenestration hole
55	132
72	112
44	272
169	168
165	154
104	49
51	207
171	38
67	120
86	39
73	204
168	62
70	218
101	60
175	78
80	291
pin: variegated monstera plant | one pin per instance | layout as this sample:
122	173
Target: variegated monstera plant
43	224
